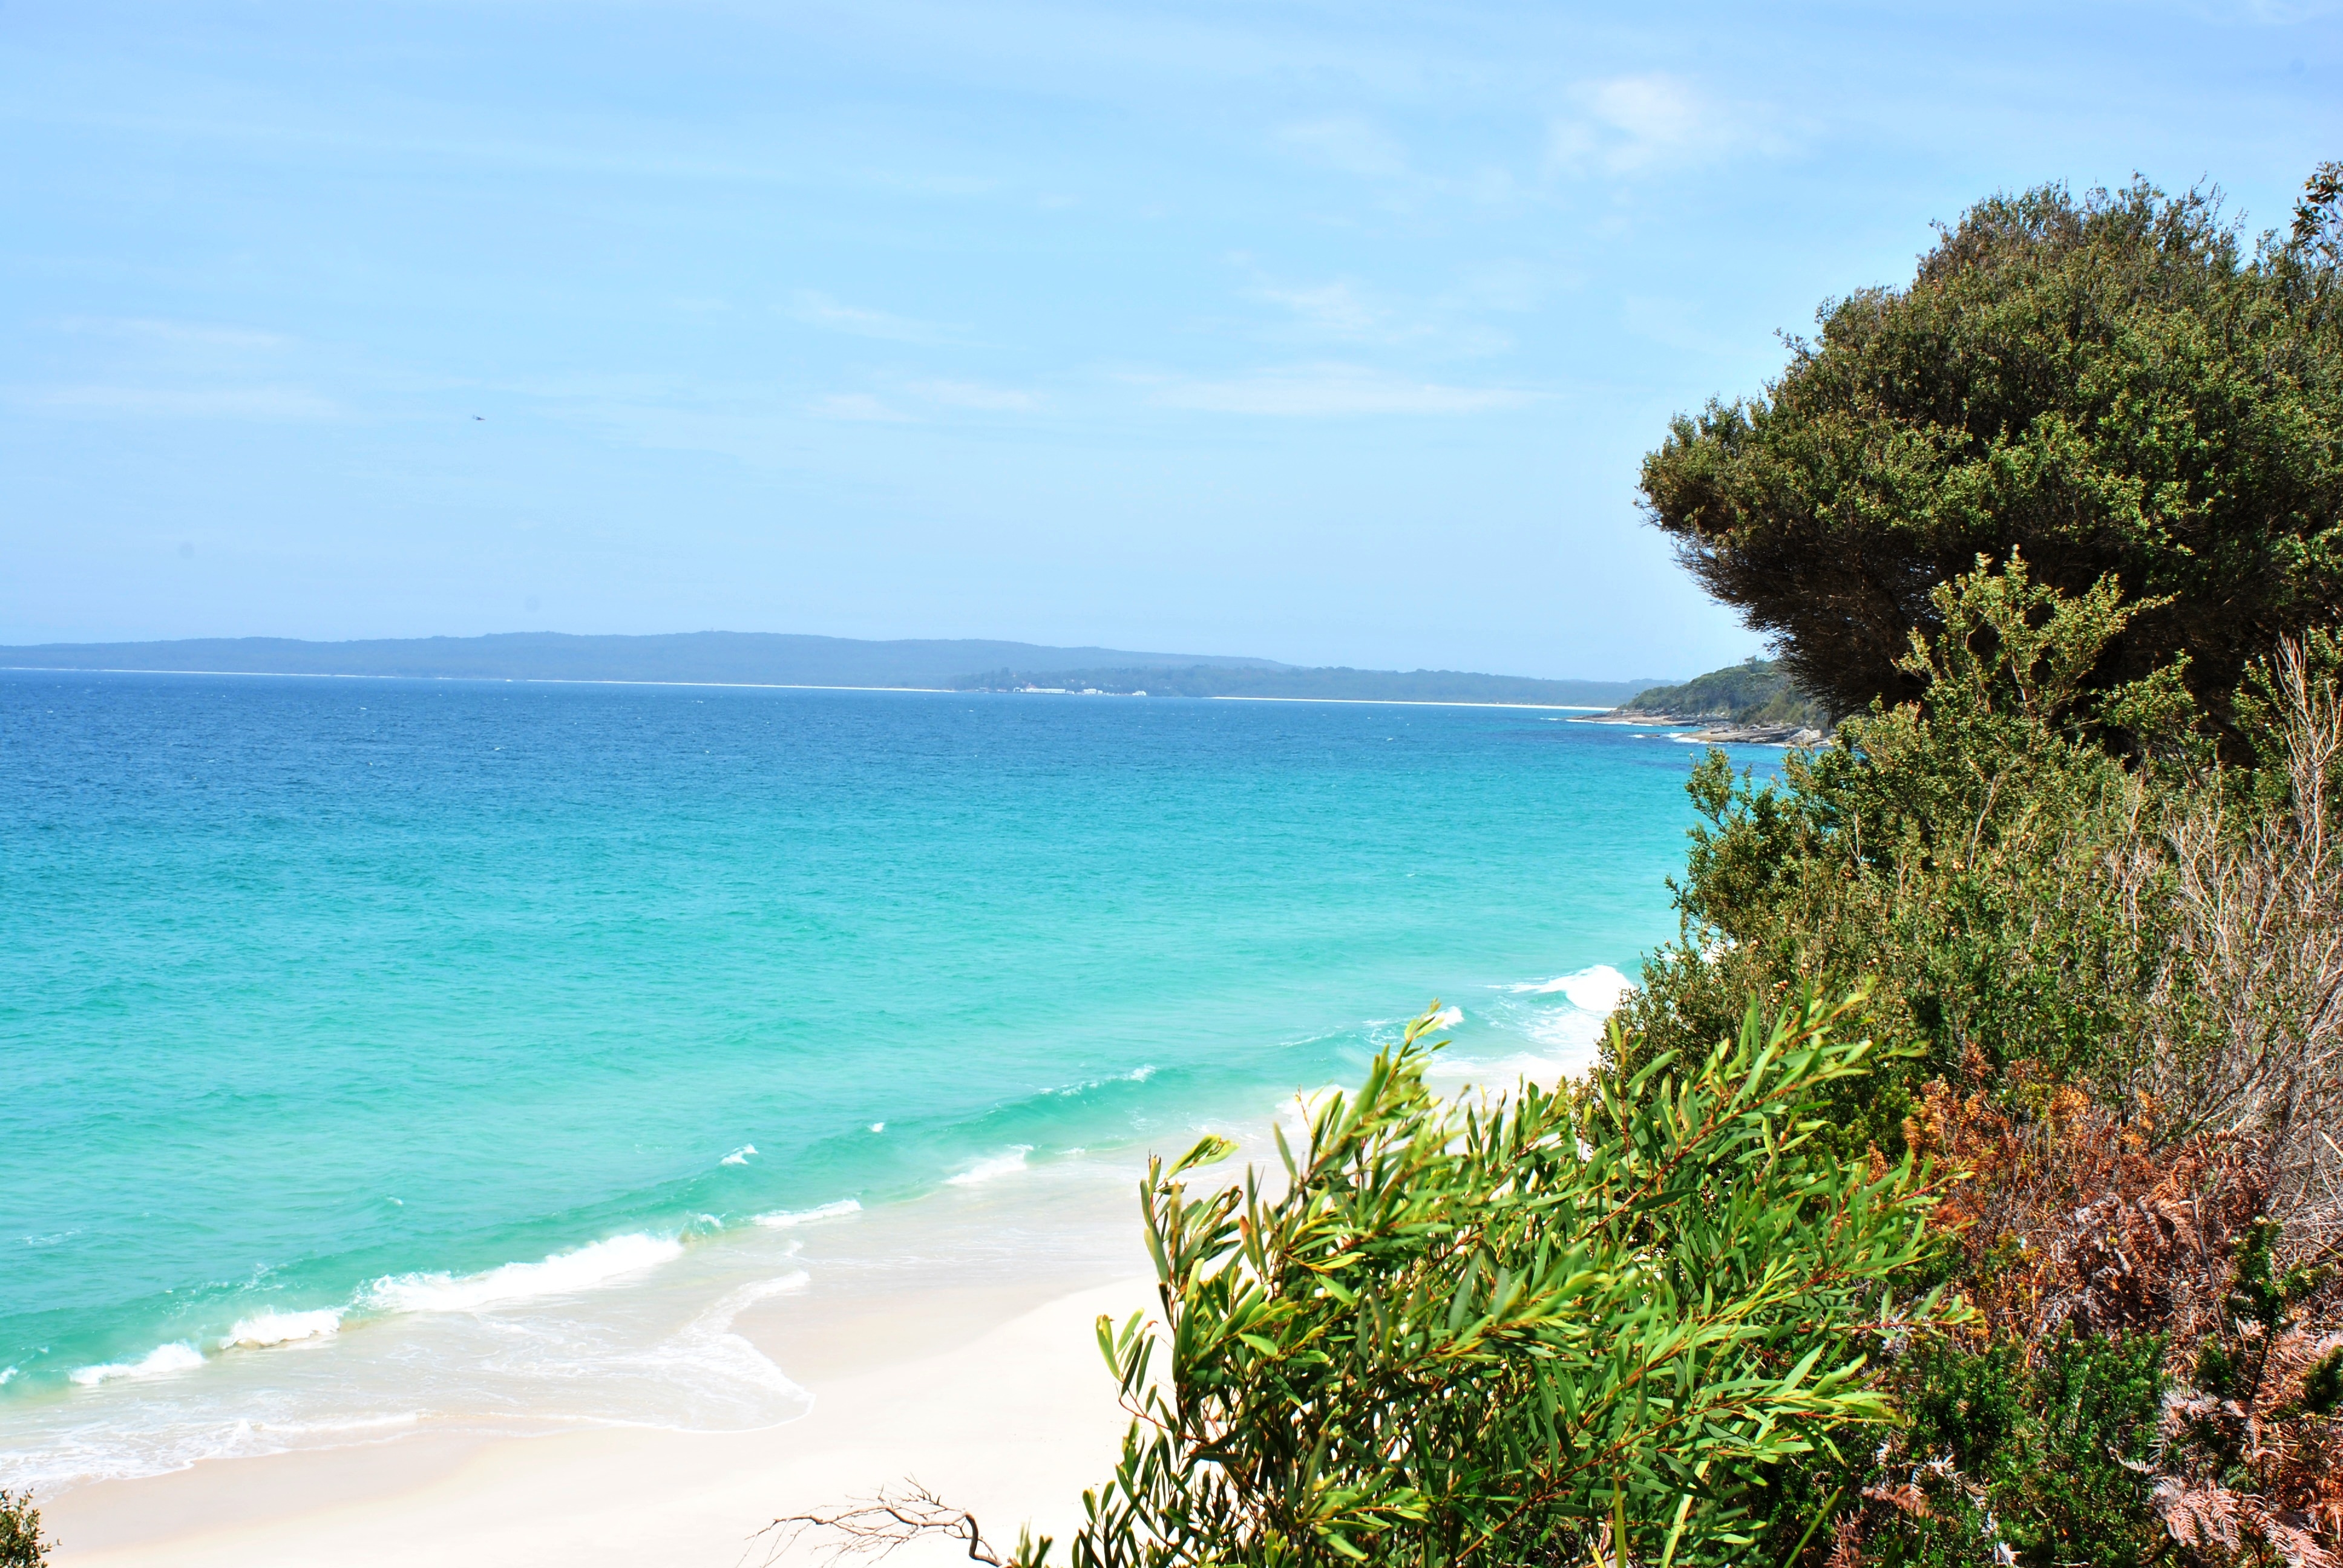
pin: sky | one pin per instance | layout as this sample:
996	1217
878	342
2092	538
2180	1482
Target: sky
1329	333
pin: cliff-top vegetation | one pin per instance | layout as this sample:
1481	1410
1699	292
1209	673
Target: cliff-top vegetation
1757	691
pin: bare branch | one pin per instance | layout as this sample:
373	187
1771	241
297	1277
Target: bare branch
2249	1022
874	1528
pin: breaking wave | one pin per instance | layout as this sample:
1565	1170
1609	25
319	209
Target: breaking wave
562	1274
163	1360
263	1330
998	1165
788	1218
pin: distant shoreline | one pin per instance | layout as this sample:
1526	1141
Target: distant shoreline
482	680
1417	702
767	685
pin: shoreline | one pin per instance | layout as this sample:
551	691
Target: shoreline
1787	735
720	1333
735	1332
1011	1421
949	1339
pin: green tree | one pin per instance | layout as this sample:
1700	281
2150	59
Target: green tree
2114	387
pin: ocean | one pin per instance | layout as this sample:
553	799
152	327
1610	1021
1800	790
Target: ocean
378	1052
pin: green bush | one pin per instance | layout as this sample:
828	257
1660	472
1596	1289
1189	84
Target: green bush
1954	853
1523	1329
21	1544
2000	1463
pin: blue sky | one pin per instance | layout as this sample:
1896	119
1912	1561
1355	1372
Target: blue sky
1331	333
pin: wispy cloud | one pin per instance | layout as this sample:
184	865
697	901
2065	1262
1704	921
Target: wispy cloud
1337	309
1305	391
2264	13
267	404
817	309
977	395
860	406
1345	310
1629	125
173	334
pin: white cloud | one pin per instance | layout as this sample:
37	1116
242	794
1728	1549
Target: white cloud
1628	124
856	405
267	404
976	395
1331	390
817	309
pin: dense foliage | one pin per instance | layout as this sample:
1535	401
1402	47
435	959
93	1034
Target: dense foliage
1527	1329
1947	852
2113	985
2111	385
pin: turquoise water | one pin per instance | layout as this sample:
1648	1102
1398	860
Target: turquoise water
330	1002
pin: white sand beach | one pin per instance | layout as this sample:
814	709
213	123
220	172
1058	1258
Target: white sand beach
996	1400
951	1340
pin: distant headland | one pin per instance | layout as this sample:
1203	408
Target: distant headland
776	659
1753	702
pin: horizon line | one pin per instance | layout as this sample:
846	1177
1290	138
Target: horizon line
783	686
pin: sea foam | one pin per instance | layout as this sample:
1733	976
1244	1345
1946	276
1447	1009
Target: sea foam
999	1165
263	1330
708	1351
1596	989
738	1156
175	1357
563	1273
1562	1018
786	1218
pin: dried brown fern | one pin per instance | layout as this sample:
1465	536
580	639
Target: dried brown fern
2076	1219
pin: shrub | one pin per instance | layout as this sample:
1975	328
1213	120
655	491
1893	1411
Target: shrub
21	1543
1971	857
1509	1330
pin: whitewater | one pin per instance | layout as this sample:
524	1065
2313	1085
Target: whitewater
472	1052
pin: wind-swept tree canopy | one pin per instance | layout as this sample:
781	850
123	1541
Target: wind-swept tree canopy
2109	385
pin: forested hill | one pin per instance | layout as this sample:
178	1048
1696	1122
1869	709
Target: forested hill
1756	691
711	657
1331	684
770	658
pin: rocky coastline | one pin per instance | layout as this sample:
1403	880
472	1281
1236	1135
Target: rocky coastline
1718	730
